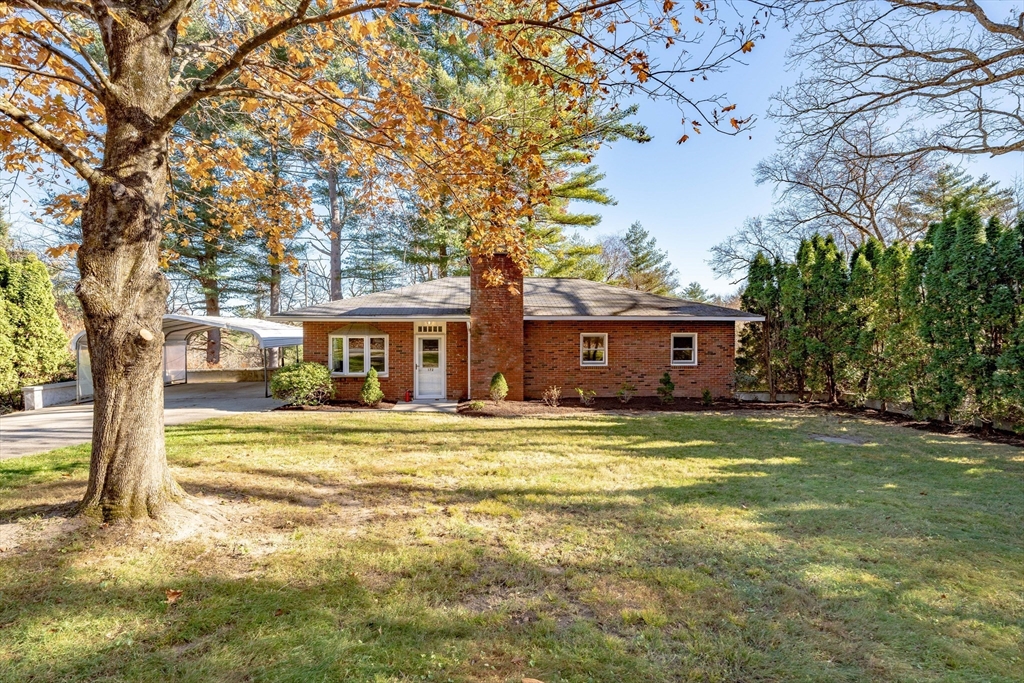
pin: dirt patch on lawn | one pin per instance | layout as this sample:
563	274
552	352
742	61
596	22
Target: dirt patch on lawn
641	405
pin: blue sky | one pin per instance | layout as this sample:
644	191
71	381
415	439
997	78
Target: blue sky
691	196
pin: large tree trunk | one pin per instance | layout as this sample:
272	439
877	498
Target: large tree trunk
212	335
122	290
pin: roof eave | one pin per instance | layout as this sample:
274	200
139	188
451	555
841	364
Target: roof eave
378	318
676	318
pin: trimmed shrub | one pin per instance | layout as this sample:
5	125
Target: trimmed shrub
499	387
706	398
587	396
371	393
304	384
552	396
626	392
666	389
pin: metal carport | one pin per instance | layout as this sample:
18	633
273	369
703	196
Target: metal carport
178	329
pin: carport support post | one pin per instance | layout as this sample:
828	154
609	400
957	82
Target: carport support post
266	383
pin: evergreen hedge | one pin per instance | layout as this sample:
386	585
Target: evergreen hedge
939	325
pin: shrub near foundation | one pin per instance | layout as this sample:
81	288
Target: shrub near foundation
499	387
371	393
303	384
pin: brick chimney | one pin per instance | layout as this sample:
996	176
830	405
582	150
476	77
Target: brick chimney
496	327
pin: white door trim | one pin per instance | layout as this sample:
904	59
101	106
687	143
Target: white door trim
443	367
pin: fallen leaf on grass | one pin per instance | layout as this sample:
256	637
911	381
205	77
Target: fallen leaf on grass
172	596
531	680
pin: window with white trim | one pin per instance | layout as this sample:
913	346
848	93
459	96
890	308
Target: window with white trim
684	349
356	354
593	349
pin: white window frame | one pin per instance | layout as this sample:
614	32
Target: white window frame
366	350
672	348
592	364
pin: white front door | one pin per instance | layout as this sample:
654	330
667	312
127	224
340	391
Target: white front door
429	367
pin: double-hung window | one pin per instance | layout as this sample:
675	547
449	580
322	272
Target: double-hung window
684	349
356	354
593	349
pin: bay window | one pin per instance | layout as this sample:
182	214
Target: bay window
356	354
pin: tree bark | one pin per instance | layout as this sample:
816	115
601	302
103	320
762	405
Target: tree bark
336	224
122	289
212	335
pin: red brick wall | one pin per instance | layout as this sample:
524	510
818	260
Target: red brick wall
401	358
400	355
639	353
497	327
456	360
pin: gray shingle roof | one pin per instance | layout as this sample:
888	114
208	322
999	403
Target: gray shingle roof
543	297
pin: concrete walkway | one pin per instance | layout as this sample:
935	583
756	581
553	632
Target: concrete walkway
425	406
38	431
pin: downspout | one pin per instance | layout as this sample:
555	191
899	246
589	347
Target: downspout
469	363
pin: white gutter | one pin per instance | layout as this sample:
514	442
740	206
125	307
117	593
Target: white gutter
367	318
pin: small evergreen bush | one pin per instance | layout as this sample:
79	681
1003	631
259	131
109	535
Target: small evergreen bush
666	388
499	387
303	384
706	398
371	393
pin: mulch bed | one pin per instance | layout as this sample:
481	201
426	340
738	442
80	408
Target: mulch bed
652	404
339	407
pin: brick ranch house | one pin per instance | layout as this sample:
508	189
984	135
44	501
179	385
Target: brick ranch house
446	338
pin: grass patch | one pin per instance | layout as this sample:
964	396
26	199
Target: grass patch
383	547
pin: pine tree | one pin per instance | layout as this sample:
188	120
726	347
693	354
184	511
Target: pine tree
642	265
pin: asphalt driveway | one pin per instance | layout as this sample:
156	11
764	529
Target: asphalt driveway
38	431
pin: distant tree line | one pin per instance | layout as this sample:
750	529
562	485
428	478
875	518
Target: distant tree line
939	324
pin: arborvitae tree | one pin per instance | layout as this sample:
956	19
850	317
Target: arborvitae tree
898	360
8	372
827	323
40	345
862	302
763	297
1009	376
793	305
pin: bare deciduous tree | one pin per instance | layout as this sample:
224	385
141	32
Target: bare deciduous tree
947	74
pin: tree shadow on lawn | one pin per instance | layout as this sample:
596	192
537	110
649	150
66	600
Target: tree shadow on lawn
792	559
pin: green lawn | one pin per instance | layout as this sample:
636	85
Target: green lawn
383	547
